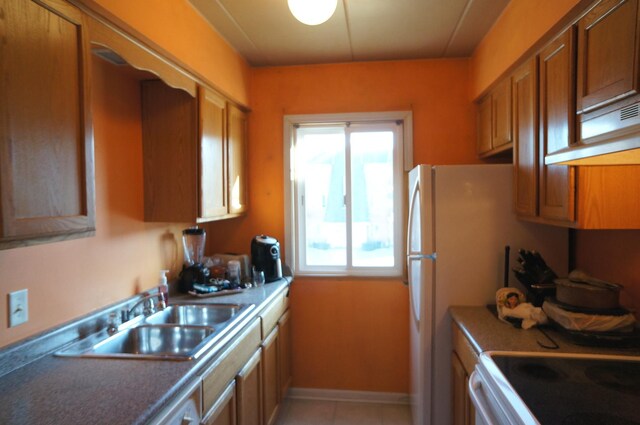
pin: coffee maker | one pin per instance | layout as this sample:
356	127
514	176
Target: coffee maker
193	271
265	257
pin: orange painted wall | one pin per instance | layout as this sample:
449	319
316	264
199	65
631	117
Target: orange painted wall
522	23
179	29
348	334
70	279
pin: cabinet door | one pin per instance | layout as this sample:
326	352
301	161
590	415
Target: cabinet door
485	127
169	132
213	166
271	389
46	147
525	131
284	351
237	125
557	122
461	404
223	411
501	100
249	391
608	54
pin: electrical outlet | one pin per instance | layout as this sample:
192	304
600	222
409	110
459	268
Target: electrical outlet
18	307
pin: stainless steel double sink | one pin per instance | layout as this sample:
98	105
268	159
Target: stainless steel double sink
179	332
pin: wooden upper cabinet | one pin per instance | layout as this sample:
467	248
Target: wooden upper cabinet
213	158
485	125
46	144
237	140
494	120
557	123
169	134
608	57
193	148
502	134
525	132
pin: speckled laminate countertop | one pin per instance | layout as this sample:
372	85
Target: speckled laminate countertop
57	390
487	333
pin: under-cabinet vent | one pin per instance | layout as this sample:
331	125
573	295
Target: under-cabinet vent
109	56
629	112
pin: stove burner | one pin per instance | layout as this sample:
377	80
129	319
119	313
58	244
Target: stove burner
616	376
591	418
539	371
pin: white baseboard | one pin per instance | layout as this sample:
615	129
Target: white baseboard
345	395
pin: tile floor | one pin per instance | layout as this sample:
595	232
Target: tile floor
321	412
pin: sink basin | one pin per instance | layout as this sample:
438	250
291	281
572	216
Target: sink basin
195	314
179	332
156	340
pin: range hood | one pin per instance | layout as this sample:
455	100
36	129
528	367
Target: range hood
609	139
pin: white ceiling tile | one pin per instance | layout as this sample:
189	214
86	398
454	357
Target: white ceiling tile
265	32
476	22
413	28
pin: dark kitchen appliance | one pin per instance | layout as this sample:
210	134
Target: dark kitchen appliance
552	389
193	271
265	257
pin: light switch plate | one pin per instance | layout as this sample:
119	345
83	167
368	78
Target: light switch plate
18	307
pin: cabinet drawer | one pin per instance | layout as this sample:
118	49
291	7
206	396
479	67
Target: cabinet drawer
463	348
273	312
224	370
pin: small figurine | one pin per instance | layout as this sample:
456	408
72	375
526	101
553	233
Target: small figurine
511	302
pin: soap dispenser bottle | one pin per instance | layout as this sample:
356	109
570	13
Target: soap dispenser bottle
163	289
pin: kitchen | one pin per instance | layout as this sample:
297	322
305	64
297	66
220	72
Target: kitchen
72	278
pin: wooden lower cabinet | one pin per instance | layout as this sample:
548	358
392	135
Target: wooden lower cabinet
463	361
223	411
462	406
271	390
249	391
284	351
252	375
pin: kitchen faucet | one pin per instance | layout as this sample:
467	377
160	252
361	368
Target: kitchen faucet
148	305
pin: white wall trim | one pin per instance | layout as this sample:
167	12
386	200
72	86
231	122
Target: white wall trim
345	395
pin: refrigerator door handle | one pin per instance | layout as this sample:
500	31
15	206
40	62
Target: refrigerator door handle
432	257
415	196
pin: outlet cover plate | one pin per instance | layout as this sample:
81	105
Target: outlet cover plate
18	307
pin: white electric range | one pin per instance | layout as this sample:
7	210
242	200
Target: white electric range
510	388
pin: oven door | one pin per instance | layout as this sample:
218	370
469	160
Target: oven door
481	401
494	399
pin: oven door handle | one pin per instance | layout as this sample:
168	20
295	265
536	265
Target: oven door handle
478	397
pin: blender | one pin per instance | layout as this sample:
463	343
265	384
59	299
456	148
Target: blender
193	271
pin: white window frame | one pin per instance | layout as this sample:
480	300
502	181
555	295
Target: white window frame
405	150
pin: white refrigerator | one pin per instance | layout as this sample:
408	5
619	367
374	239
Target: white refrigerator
460	220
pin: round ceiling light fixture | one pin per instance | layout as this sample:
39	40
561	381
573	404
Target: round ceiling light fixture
312	12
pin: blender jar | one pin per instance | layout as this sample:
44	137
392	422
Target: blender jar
193	240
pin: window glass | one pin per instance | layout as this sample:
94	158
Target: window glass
321	155
344	201
372	198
